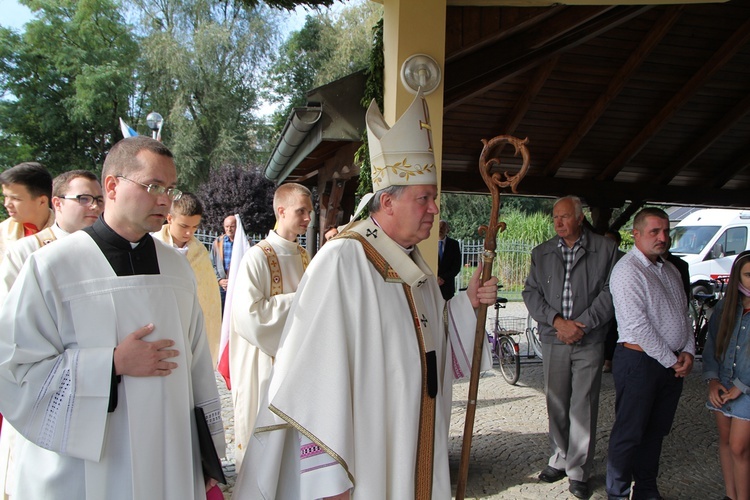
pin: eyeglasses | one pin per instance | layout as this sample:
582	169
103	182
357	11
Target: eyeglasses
174	194
86	200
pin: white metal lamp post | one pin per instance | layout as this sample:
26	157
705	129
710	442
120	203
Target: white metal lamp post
155	121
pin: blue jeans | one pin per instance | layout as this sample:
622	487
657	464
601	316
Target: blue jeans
646	398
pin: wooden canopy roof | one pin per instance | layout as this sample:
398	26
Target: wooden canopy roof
638	103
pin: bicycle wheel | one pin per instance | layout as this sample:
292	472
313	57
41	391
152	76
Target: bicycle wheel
701	330
532	335
510	361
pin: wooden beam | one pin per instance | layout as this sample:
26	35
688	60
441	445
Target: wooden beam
522	105
698	146
626	214
511	22
490	66
725	174
600	217
738	39
536	83
660	28
328	216
461	70
608	193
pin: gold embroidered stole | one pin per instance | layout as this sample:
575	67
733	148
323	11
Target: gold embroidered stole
396	267
45	236
277	282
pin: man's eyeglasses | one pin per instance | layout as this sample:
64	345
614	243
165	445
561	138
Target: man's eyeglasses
86	200
174	194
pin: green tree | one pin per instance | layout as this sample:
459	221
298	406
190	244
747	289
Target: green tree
329	46
528	204
293	71
348	40
465	213
202	65
64	83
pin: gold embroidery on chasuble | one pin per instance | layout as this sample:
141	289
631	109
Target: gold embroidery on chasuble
379	263
277	282
290	422
45	236
426	436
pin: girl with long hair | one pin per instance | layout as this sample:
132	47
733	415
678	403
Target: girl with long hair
726	368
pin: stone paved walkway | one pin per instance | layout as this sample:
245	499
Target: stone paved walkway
510	445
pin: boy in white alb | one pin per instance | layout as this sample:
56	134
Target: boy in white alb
268	277
182	223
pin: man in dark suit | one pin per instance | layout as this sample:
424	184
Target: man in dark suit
449	262
681	266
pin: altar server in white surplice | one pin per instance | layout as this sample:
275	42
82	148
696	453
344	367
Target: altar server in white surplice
103	356
360	396
77	201
27	191
266	281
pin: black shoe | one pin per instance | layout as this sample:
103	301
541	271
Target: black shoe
579	489
551	475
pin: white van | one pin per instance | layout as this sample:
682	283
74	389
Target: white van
709	240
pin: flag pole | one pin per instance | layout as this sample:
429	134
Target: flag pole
495	182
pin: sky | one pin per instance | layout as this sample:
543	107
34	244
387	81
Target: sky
14	15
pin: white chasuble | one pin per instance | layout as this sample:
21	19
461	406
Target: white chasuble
346	396
258	318
61	322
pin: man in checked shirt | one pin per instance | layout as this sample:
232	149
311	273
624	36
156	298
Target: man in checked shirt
655	352
567	293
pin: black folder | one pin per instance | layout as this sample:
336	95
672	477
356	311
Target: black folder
209	458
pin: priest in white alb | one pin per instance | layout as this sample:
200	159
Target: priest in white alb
266	281
103	356
360	397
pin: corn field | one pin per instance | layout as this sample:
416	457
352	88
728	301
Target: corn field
511	265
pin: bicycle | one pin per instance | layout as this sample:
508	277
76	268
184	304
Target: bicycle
532	334
701	308
504	348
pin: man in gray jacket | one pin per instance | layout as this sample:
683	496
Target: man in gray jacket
567	293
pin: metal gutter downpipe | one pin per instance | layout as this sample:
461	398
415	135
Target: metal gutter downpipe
297	127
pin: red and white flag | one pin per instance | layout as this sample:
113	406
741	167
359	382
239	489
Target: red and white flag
239	247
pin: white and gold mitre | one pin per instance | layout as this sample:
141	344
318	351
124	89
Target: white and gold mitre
401	155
